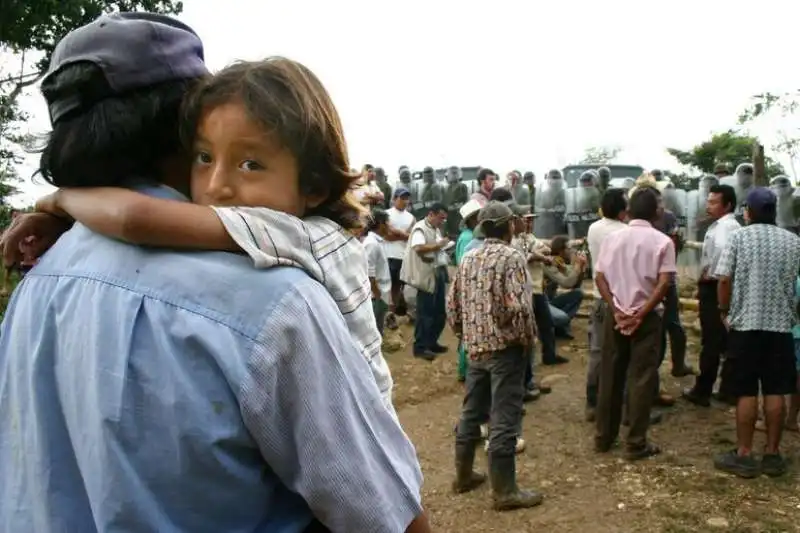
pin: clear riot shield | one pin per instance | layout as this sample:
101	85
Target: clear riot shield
550	206
416	200
429	194
583	206
455	196
741	195
787	218
675	200
521	194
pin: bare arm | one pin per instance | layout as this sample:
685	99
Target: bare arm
140	219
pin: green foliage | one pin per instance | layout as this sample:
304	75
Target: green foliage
32	28
599	155
729	147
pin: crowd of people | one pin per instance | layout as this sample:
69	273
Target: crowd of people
200	347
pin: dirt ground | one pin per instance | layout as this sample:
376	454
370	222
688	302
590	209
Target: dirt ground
679	491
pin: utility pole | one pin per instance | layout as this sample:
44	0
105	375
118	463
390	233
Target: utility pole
759	166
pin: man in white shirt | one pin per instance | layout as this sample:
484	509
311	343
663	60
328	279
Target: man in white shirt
615	211
377	266
400	223
720	207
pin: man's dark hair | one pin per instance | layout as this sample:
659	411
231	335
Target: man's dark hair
498	230
438	207
377	217
501	194
643	204
484	173
558	244
728	195
119	137
613	203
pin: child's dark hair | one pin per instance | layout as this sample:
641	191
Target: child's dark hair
288	100
377	217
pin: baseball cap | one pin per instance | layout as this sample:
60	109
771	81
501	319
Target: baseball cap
132	49
401	191
494	213
761	198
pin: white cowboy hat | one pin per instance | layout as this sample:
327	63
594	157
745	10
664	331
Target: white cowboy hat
469	209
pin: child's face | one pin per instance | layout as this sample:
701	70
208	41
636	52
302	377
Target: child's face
235	163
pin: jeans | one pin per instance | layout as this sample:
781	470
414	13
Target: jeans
563	309
431	314
595	350
494	391
544	323
672	326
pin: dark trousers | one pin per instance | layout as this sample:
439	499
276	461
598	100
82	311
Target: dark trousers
632	360
671	325
494	391
380	308
713	341
544	324
431	314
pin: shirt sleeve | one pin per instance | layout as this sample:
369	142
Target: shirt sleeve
371	248
312	405
727	261
454	316
271	238
667	263
417	238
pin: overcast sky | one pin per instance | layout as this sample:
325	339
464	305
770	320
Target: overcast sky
513	84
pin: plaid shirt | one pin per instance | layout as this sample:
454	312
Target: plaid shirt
489	305
328	253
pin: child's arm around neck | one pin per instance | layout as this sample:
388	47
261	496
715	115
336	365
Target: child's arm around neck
140	219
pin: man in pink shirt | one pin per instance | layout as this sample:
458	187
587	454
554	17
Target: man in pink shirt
632	273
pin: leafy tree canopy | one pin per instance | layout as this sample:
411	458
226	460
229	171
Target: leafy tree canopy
730	147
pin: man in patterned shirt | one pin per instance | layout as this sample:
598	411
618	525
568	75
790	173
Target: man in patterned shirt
756	276
489	309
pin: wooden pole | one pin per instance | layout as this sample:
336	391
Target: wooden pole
760	178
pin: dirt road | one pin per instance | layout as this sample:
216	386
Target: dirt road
678	491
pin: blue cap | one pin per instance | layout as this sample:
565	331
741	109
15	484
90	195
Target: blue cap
133	50
401	191
761	198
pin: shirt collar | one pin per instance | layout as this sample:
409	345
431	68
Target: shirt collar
376	236
640	223
492	240
726	216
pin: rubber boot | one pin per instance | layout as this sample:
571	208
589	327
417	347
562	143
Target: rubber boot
466	478
507	495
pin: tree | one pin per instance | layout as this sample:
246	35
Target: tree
785	106
599	155
730	147
29	31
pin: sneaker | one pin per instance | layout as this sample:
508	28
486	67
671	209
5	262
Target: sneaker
773	464
738	465
391	321
438	348
427	355
682	372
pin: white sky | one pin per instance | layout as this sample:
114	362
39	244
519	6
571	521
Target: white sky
512	84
